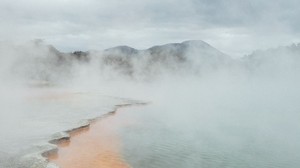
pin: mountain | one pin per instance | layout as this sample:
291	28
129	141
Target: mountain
195	50
280	57
194	55
38	61
122	50
280	62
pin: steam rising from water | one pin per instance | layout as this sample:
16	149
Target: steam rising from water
191	84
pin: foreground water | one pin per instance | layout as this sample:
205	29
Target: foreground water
210	123
155	136
154	140
204	125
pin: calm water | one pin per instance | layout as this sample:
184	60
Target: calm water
159	137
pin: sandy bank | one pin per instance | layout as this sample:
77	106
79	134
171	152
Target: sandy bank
97	145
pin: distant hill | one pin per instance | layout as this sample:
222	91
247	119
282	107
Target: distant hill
41	62
169	57
37	61
280	60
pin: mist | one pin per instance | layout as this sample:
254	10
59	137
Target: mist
220	79
208	98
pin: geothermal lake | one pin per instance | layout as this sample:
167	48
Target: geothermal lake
153	136
186	124
207	141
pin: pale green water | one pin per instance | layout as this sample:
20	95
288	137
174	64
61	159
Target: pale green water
162	137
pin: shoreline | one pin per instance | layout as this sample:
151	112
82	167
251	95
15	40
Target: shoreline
66	136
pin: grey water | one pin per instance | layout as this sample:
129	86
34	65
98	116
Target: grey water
160	142
262	131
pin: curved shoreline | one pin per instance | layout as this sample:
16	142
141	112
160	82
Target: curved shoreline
40	158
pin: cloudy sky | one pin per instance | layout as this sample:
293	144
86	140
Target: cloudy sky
236	27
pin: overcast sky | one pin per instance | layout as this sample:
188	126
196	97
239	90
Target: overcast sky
235	27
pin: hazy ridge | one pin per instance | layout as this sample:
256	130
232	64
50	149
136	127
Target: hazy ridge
36	61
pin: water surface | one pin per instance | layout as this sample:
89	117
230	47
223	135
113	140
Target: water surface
165	137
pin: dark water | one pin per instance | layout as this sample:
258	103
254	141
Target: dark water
160	137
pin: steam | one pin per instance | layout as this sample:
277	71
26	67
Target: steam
190	83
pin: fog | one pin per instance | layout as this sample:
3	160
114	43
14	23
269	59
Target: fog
230	100
250	104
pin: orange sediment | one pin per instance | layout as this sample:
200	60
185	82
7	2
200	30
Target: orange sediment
97	146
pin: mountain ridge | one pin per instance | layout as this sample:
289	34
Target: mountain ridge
39	61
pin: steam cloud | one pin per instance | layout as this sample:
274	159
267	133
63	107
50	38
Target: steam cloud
192	81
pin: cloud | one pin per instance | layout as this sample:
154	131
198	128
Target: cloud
233	26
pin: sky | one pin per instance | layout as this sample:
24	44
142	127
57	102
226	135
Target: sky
236	27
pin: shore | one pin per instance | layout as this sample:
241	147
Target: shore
39	117
95	146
